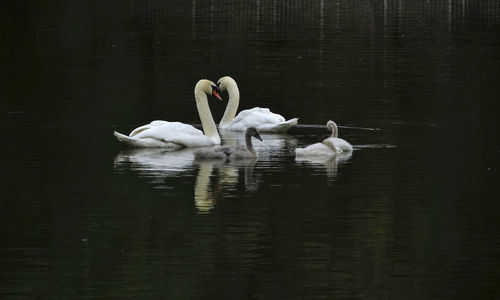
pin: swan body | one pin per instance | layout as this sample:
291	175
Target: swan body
335	140
231	153
318	150
175	134
261	118
328	148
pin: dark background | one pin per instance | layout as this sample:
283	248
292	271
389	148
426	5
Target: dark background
417	220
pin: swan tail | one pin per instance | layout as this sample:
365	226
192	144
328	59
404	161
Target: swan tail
127	140
145	142
299	152
285	126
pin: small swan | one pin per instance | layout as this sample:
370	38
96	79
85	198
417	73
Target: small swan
261	118
338	142
231	153
324	149
176	134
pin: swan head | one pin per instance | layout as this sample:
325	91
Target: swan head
330	145
224	82
252	131
208	87
330	125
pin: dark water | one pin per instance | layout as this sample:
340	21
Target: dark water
413	213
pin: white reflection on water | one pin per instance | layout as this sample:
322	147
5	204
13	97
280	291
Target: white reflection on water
212	179
155	161
272	143
217	177
331	164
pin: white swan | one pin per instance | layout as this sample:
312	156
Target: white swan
176	134
231	153
261	118
325	149
338	142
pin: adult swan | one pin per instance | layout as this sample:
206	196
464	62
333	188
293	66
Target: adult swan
175	134
261	118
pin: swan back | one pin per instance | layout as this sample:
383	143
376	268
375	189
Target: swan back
314	150
335	149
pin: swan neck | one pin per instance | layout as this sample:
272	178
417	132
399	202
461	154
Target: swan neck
232	104
207	121
248	141
335	131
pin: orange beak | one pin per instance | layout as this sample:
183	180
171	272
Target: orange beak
214	92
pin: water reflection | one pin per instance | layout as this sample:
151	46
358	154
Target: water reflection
272	144
213	178
330	165
218	177
152	162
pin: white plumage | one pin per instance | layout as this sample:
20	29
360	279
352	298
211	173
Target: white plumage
175	134
328	148
335	140
317	150
261	118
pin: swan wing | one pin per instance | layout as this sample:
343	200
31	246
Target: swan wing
340	143
147	126
318	149
146	142
166	134
261	118
280	127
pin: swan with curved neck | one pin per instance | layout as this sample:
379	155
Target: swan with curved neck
261	118
324	149
335	140
175	134
231	153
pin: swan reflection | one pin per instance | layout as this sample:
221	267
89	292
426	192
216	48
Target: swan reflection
213	178
218	177
273	143
155	161
330	164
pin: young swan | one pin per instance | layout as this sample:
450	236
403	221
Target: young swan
231	153
320	149
325	149
338	142
336	150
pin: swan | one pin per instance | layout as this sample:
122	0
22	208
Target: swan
338	142
261	118
325	149
231	153
176	134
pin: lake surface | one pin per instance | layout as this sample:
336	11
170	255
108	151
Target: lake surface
412	213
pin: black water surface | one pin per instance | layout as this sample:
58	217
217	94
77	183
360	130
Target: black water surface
412	213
